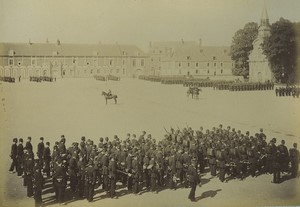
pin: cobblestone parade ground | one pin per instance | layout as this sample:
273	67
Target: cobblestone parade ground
75	108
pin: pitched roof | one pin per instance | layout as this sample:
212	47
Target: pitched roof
50	49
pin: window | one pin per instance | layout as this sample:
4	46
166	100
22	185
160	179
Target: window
197	71
214	57
188	57
64	72
221	71
207	71
142	62
215	64
10	61
19	63
221	64
188	64
74	61
197	64
207	64
133	62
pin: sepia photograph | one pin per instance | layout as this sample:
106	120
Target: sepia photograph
140	103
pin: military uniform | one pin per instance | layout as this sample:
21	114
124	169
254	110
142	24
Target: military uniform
194	180
13	155
38	182
60	182
295	157
90	179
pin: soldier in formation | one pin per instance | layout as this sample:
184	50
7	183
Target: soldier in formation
144	164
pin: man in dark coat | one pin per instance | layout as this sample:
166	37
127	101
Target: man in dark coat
13	155
40	150
90	179
295	158
47	159
38	182
60	181
193	179
20	153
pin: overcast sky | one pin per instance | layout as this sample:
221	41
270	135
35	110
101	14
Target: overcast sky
135	21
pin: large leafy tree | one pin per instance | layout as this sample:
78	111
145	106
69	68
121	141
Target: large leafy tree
241	47
280	49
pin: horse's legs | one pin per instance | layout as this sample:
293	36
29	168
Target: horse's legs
106	100
115	101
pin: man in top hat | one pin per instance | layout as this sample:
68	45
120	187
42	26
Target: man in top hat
40	150
20	153
28	144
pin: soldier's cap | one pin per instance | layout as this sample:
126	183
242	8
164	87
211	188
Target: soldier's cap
149	135
295	145
47	143
128	134
83	138
29	138
42	138
62	136
261	130
20	140
247	132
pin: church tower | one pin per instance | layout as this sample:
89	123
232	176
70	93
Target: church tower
259	67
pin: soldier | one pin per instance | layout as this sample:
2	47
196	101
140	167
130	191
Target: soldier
60	181
129	170
40	151
135	174
38	182
276	167
47	159
295	157
193	179
153	175
13	155
220	154
112	170
283	157
212	161
20	153
186	161
28	174
73	170
28	144
172	170
80	177
90	179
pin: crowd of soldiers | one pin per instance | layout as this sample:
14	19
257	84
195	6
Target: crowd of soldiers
113	78
41	78
288	91
7	79
241	86
144	164
152	78
99	77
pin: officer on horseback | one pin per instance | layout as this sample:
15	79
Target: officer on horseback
109	94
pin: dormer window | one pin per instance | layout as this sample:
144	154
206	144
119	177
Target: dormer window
214	58
11	53
188	57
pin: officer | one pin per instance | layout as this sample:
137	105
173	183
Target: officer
212	161
72	171
38	182
194	179
47	159
28	144
90	179
135	174
295	157
13	156
112	170
284	157
80	177
28	174
60	181
276	167
20	153
40	151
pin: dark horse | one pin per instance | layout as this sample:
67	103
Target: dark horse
107	96
194	91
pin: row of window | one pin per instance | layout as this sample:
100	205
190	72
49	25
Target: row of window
197	64
197	72
74	61
99	71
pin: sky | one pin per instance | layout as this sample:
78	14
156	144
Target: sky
135	21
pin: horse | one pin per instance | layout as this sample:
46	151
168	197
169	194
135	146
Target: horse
107	96
194	91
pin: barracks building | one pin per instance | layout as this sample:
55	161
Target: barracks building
190	58
60	60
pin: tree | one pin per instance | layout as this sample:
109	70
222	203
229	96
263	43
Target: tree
241	47
280	49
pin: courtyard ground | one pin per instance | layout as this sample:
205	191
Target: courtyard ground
75	108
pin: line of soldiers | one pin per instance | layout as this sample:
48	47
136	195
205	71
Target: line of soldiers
247	86
7	79
99	77
288	91
112	77
41	78
144	164
150	78
206	83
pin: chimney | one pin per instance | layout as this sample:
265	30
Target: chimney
29	42
58	42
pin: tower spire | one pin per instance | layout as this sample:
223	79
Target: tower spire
264	20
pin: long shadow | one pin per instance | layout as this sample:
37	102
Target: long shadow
206	194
